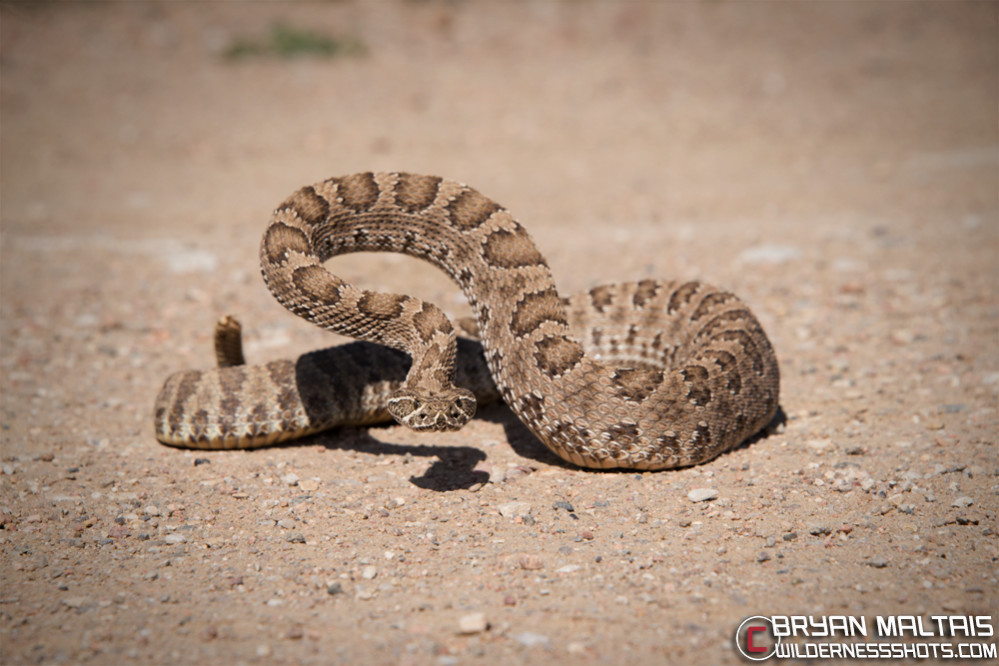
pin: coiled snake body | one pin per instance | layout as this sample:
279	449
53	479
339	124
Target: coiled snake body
643	375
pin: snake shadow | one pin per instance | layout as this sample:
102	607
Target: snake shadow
454	466
322	372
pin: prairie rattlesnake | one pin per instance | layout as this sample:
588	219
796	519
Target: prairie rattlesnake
659	374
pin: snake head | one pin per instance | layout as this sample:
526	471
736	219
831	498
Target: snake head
420	410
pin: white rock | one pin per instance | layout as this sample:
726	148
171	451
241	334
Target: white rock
702	494
514	509
473	623
530	639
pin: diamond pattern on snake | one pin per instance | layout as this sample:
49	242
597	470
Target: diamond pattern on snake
640	375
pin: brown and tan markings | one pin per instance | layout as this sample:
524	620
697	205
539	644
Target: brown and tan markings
643	375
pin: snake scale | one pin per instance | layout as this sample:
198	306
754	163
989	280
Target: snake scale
642	375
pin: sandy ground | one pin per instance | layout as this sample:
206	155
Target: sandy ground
836	164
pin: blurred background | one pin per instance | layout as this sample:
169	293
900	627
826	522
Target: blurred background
130	110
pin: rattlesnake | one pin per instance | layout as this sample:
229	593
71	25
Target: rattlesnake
655	375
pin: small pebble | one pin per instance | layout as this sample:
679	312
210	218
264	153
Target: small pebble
290	479
962	502
530	563
334	588
762	556
369	572
702	494
562	504
531	639
201	461
514	509
75	602
818	444
295	537
877	562
819	530
472	623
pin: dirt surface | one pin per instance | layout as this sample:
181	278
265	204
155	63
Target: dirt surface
835	164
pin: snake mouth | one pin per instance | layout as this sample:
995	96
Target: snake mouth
426	412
